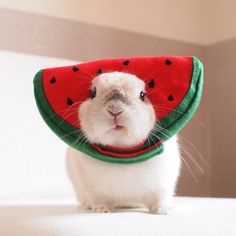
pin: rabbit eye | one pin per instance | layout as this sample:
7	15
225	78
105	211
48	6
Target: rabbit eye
142	95
93	93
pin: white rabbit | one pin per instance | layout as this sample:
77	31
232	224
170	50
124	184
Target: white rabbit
119	114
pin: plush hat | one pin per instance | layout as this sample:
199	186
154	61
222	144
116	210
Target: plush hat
170	80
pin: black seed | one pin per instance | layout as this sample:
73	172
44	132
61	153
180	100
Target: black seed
75	69
53	80
168	62
99	71
126	63
151	84
69	102
170	98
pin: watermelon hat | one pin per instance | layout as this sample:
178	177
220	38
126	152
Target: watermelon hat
175	82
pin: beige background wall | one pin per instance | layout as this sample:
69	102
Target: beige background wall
64	38
221	71
194	21
149	17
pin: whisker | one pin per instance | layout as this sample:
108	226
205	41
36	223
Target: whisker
149	144
64	110
194	148
64	118
200	169
80	140
153	72
184	148
76	131
189	169
167	136
91	76
155	144
164	107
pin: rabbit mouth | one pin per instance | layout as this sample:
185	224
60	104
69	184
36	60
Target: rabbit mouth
118	127
122	128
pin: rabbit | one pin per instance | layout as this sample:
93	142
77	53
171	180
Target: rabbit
120	114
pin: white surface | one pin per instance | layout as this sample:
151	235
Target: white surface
31	156
192	217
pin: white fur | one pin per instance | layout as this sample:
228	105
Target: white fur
103	186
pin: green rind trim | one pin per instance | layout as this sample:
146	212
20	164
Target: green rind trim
178	118
73	136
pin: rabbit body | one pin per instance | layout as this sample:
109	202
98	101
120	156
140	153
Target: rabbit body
119	114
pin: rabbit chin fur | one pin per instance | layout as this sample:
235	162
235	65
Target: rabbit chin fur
103	186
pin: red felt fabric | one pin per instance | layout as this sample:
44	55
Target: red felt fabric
171	76
124	155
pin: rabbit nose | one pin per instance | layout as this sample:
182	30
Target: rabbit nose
114	113
115	94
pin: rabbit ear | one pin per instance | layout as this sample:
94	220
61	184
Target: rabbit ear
172	83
